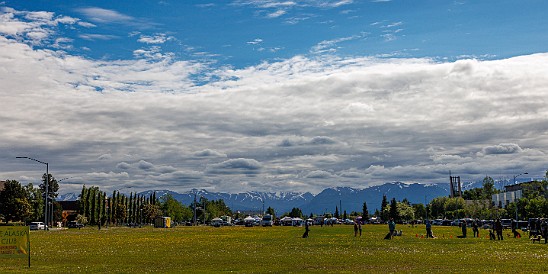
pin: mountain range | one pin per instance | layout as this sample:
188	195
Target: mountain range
349	199
343	198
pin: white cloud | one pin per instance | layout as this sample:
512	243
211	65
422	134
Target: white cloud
276	14
255	41
235	166
92	37
332	45
501	149
319	174
276	125
100	15
209	153
155	39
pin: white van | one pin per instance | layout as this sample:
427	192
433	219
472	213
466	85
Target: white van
267	220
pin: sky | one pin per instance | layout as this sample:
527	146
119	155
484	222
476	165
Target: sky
274	96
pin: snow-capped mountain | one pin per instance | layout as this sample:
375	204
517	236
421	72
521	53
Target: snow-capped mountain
351	199
67	197
245	201
345	198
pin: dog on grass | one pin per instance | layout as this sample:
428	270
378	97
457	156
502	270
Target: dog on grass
536	238
492	235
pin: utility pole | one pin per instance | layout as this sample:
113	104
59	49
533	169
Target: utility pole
47	190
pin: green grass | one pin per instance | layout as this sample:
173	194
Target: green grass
275	249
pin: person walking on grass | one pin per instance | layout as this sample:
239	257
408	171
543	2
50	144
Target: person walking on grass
391	227
360	227
356	228
544	230
429	229
306	229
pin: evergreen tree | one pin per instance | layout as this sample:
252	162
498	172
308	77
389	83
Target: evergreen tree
53	186
488	187
296	213
393	213
120	214
271	211
384	214
82	200
93	205
365	212
336	212
130	206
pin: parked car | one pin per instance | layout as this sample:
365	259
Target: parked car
487	224
506	223
446	223
523	225
74	224
37	226
437	222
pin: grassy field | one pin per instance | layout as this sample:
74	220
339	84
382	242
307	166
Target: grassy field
275	249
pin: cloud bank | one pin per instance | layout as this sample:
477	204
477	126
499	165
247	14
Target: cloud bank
300	124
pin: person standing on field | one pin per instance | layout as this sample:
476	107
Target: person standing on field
429	229
544	230
391	227
463	226
475	228
498	229
306	229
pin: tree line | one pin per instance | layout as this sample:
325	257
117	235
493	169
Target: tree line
21	203
95	207
474	203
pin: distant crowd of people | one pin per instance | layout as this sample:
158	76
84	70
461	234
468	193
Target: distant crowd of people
538	228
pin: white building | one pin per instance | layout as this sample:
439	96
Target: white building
504	198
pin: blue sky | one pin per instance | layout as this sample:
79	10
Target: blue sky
245	33
272	95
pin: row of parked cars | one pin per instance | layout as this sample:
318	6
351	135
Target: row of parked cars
42	226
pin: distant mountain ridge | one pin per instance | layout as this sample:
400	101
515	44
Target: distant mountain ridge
351	199
344	198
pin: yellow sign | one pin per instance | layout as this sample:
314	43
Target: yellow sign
14	240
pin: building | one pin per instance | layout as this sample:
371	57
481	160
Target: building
70	210
504	198
2	183
512	193
456	190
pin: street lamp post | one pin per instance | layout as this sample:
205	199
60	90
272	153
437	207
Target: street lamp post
51	211
515	200
47	190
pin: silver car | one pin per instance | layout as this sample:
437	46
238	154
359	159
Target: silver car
37	226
